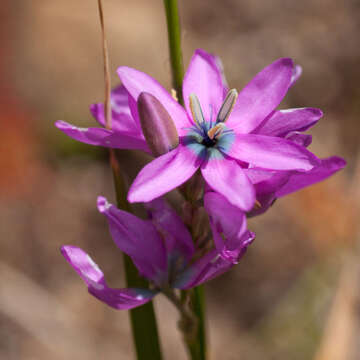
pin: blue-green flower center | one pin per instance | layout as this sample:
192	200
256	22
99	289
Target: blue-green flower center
208	138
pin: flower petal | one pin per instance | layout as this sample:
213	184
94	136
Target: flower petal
267	181
204	79
300	139
281	122
102	137
209	266
138	239
299	180
137	82
271	153
122	119
264	201
178	240
94	279
227	177
163	174
297	71
261	96
233	226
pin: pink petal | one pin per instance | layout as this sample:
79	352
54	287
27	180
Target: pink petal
297	71
204	79
102	137
209	266
271	153
233	226
226	177
137	82
265	201
122	119
267	181
300	180
138	239
163	174
178	241
300	139
281	122
94	279
198	272
261	96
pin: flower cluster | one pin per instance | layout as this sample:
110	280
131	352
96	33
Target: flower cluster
248	153
163	251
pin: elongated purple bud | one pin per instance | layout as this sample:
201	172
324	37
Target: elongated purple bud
158	128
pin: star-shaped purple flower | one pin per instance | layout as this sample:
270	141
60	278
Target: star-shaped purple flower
235	140
217	132
163	251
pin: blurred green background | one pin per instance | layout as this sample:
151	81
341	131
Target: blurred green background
295	293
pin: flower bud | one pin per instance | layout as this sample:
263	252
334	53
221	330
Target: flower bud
158	128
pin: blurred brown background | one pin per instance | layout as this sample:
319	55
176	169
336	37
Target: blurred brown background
293	296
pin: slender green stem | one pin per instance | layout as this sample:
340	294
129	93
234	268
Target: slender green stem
174	38
143	321
188	323
197	350
199	309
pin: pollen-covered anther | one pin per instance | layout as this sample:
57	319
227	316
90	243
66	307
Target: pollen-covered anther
216	131
227	106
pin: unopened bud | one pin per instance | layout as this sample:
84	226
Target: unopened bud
158	128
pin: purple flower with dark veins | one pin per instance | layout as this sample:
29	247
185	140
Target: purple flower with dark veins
163	251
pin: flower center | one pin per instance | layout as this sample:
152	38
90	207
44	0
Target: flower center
208	134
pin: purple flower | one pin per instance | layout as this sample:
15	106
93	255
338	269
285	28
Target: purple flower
163	251
225	135
217	131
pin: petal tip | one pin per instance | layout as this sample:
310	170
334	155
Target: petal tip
68	250
288	62
94	109
316	112
339	162
133	197
102	204
122	70
201	52
60	124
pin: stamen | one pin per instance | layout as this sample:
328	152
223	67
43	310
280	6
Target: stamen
216	130
211	116
257	205
227	106
196	110
174	95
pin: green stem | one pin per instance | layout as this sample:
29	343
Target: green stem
199	309
143	321
174	38
197	350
